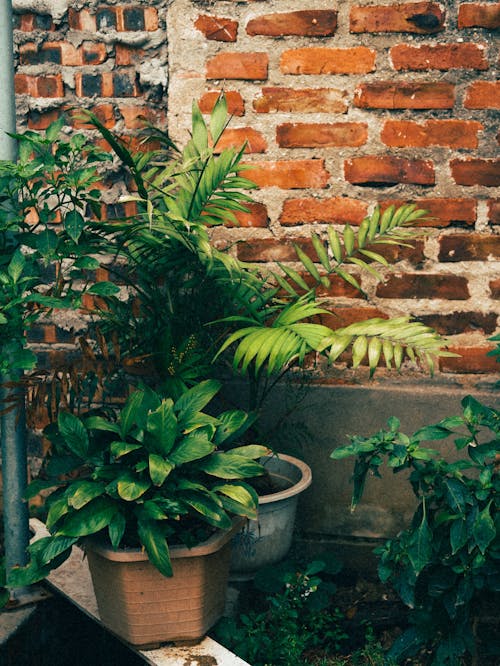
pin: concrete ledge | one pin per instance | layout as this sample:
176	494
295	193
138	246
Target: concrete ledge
73	581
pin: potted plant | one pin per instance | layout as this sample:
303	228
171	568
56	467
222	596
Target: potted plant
148	492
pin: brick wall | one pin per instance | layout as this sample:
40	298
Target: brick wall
343	105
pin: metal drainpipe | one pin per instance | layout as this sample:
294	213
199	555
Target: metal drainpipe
12	424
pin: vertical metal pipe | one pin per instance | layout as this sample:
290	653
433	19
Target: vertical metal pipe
12	424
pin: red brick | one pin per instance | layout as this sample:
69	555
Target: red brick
483	95
104	112
322	60
456	323
338	288
471	360
236	137
439	56
135	117
469	247
479	15
92	53
415	17
394	253
246	66
234	101
129	55
345	316
39	86
424	285
289	175
335	210
81	20
476	172
387	169
403	95
62	53
450	133
41	120
29	22
321	135
272	249
307	23
308	100
442	212
217	28
106	84
256	217
494	211
495	288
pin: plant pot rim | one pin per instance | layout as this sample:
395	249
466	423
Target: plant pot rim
211	545
303	483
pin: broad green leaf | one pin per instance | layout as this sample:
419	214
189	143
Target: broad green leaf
349	239
228	466
103	289
458	535
119	448
80	493
16	266
209	507
53	547
232	424
162	425
54	129
196	398
218	118
74	433
359	349
457	494
130	487
58	508
244	499
95	516
152	537
116	529
100	423
159	468
47	242
74	224
192	447
483	529
252	451
420	548
335	245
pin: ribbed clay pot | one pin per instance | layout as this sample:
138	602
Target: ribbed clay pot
145	608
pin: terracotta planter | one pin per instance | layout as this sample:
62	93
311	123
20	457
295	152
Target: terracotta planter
267	540
145	608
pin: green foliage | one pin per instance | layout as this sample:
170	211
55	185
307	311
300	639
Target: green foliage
45	200
294	618
448	559
278	328
152	476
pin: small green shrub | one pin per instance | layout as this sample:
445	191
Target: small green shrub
447	561
296	616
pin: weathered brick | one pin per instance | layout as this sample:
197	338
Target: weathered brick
415	17
237	136
335	210
494	211
104	112
439	56
106	84
234	101
82	20
345	316
388	170
30	54
470	360
405	95
92	53
307	23
479	15
289	175
476	172
272	249
29	22
246	66
321	135
450	133
442	212
305	100
217	28
106	18
322	60
394	253
129	55
40	120
255	217
495	288
469	247
135	117
456	323
39	86
483	95
424	285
